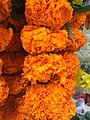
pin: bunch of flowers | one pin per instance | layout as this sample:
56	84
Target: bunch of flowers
51	65
49	102
37	61
11	58
52	13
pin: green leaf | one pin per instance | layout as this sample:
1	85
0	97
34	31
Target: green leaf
87	115
76	117
83	118
84	9
76	7
67	25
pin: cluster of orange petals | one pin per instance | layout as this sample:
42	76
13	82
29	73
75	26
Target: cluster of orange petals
11	58
37	82
72	64
50	13
48	101
79	42
44	67
5	34
77	20
5	9
37	40
5	37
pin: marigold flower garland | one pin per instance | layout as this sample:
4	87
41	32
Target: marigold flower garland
38	82
51	65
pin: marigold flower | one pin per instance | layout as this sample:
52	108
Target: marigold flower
5	9
37	40
5	37
9	109
43	67
53	98
12	109
80	40
48	102
72	64
4	90
51	13
77	20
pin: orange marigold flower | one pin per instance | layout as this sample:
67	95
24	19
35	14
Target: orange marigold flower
13	109
4	90
9	109
77	20
48	102
80	40
43	67
50	13
37	40
72	64
5	9
15	43
5	37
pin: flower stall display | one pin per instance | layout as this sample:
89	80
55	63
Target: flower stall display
37	60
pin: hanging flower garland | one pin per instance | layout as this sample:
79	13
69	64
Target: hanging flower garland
49	33
48	63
